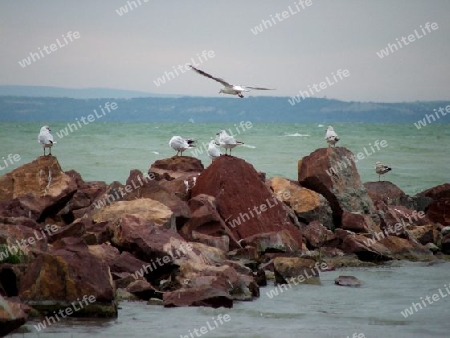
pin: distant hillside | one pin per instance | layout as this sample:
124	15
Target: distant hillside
74	93
226	109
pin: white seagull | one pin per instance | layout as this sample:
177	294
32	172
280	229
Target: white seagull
227	141
381	169
46	139
213	151
180	144
228	87
331	136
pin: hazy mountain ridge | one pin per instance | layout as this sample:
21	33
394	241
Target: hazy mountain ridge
74	93
203	109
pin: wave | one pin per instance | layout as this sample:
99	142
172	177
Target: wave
297	135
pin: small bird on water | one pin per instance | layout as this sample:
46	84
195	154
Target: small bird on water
46	139
331	137
381	169
180	144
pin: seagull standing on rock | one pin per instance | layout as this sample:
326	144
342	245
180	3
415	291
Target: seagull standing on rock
213	151
46	139
331	136
227	141
381	169
228	87
180	144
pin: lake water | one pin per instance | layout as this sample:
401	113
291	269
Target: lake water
419	158
307	311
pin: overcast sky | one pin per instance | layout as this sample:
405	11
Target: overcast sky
132	50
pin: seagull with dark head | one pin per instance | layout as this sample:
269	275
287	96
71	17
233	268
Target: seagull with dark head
381	169
229	88
46	139
180	144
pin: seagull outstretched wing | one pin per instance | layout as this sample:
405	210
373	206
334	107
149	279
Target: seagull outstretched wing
218	79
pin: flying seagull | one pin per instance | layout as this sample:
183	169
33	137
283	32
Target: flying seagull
180	144
331	136
381	169
213	151
46	139
228	87
227	141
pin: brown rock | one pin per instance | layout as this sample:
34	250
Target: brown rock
143	290
281	241
426	234
105	252
350	281
146	209
385	191
357	222
302	270
317	235
307	204
332	173
222	242
205	219
39	186
439	211
13	315
438	192
175	167
60	276
143	187
243	200
199	296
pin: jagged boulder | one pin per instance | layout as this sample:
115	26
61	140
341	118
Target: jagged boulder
317	236
64	274
332	173
307	204
13	315
140	186
36	189
246	204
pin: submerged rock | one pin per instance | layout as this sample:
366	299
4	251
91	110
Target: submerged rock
351	281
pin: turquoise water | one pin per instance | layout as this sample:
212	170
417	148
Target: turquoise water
420	159
108	151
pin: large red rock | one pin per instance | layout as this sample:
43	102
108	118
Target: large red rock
332	172
39	186
243	200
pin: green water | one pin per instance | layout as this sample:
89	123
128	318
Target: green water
108	151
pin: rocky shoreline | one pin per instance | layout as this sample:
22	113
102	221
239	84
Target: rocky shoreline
185	235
